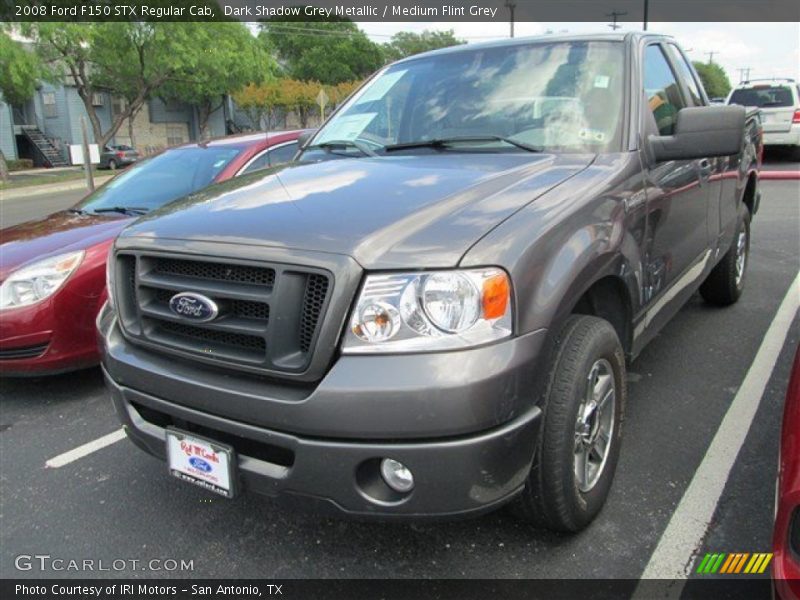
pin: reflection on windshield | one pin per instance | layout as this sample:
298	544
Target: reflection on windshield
557	96
161	179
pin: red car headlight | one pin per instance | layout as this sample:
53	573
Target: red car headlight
39	280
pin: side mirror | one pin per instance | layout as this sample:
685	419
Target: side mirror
304	138
702	132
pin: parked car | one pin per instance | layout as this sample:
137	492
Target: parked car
53	270
779	101
786	537
115	156
428	313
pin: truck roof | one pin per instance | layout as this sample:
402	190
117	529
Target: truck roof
628	36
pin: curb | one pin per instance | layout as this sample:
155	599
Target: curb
50	188
779	175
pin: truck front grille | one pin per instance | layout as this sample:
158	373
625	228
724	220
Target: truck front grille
269	315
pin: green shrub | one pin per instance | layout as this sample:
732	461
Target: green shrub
20	164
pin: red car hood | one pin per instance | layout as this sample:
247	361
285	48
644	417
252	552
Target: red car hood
60	232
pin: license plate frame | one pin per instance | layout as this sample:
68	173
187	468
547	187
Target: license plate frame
202	461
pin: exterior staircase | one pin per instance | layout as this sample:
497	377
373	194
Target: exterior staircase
52	155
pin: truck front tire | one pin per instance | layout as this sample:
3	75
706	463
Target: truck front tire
578	445
725	283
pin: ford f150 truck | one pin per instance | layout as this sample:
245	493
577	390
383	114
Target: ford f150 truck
429	312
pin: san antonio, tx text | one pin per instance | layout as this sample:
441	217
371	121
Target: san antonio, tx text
365	10
129	589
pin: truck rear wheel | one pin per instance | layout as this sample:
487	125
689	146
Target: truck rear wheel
579	439
725	283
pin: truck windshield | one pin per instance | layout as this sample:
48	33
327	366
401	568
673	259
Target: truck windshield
554	96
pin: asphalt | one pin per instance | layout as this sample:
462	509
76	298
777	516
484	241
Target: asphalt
119	503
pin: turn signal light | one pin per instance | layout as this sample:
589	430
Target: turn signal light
496	292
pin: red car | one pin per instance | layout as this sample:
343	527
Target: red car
786	539
52	271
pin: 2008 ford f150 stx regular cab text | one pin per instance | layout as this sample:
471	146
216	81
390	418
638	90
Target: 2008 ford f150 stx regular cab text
429	313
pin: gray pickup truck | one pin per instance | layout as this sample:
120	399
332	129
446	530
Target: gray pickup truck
429	312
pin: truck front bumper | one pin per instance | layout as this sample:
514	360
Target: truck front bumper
455	474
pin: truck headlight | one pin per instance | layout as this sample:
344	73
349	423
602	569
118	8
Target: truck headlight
39	280
438	310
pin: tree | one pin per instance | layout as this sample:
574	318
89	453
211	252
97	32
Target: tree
407	43
138	60
231	58
328	51
20	74
300	96
714	79
260	101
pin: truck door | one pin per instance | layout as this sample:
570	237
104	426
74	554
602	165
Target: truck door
717	167
677	196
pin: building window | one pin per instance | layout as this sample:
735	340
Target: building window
49	103
117	105
175	134
97	99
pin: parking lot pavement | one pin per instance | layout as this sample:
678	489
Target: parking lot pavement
14	211
118	503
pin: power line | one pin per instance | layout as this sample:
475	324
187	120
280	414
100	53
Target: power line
283	29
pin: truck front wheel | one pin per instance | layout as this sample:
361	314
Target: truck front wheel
725	283
580	435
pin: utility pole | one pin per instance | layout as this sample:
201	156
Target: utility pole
744	74
511	5
711	56
87	159
614	14
646	11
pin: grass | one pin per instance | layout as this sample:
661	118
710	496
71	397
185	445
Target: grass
21	181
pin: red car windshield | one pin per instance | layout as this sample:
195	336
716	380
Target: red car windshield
161	179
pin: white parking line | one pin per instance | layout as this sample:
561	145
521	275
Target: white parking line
674	555
85	450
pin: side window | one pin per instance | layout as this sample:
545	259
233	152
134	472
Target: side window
262	162
686	74
281	155
661	88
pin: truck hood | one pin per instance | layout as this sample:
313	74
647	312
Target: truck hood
55	234
385	212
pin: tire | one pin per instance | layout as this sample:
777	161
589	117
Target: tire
112	164
725	283
555	496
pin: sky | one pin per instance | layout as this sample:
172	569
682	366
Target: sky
768	49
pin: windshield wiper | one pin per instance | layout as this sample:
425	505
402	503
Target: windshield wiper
77	211
445	142
330	145
123	210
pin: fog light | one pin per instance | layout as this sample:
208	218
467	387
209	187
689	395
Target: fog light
396	475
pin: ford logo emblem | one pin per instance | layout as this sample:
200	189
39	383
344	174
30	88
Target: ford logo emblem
195	307
199	463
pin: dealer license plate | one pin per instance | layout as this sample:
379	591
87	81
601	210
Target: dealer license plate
201	461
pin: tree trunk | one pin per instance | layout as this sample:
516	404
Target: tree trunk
130	131
204	112
3	167
131	119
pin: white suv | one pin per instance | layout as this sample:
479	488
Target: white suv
779	101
